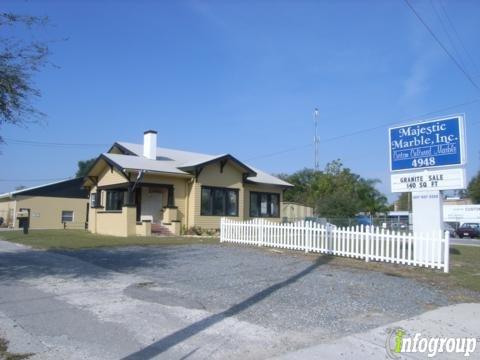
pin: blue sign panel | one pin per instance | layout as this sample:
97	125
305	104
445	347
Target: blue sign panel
427	144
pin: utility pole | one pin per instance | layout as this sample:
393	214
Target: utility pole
316	139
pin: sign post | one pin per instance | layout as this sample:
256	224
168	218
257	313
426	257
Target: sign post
425	158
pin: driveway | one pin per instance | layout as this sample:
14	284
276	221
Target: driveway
198	302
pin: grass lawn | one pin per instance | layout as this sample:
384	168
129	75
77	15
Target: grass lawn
464	271
6	355
80	239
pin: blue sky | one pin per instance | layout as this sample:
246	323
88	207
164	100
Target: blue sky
243	77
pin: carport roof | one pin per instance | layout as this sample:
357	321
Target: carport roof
70	188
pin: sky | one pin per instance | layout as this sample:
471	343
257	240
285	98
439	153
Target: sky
243	77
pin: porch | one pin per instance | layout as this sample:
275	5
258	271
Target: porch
136	209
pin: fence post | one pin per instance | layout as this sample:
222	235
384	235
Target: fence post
328	238
261	228
221	229
306	235
446	260
368	234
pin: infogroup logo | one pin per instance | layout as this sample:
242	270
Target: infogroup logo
398	342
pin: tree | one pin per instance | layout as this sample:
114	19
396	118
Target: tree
302	191
84	166
335	192
19	61
473	189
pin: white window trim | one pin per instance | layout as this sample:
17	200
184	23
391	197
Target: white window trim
61	216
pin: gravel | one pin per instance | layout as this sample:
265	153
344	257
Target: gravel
279	291
199	301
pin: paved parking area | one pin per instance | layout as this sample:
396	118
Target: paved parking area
198	302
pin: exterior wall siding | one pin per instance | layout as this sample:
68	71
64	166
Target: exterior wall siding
231	178
46	212
294	211
120	223
260	188
7	209
111	177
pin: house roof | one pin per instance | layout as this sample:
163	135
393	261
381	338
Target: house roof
70	188
180	162
133	162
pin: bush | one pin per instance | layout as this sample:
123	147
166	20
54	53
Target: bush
197	230
194	230
212	232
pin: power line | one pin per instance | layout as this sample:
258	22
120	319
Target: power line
47	144
361	131
467	75
397	122
33	180
447	32
280	152
470	57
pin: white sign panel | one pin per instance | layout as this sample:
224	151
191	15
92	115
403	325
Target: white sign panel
461	213
428	180
426	218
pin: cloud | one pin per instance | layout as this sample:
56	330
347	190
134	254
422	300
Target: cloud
424	58
416	84
204	10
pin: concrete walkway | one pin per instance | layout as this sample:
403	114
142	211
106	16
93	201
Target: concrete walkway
462	320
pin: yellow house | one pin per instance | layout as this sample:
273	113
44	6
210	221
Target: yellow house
57	205
136	189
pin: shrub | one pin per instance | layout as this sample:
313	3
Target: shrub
194	230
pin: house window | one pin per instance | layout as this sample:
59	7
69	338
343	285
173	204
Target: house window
219	201
93	200
264	204
67	216
114	200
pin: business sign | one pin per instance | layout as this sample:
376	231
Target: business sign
429	144
428	180
461	213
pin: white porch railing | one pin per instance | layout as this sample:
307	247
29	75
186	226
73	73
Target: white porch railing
362	242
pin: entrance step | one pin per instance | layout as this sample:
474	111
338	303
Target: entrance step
158	229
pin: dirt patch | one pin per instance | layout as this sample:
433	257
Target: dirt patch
6	355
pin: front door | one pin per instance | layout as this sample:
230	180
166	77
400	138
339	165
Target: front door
151	205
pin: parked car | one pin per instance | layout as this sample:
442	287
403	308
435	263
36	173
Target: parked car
363	220
472	230
399	226
451	230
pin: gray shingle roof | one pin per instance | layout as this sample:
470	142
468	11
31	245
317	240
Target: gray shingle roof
171	160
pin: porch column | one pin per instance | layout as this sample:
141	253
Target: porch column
170	198
130	201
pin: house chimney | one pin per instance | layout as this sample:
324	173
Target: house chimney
150	144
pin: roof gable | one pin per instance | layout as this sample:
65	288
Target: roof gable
179	162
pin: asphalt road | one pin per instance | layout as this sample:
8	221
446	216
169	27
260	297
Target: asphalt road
196	302
465	241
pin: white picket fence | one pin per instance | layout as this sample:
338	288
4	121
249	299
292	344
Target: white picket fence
362	242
